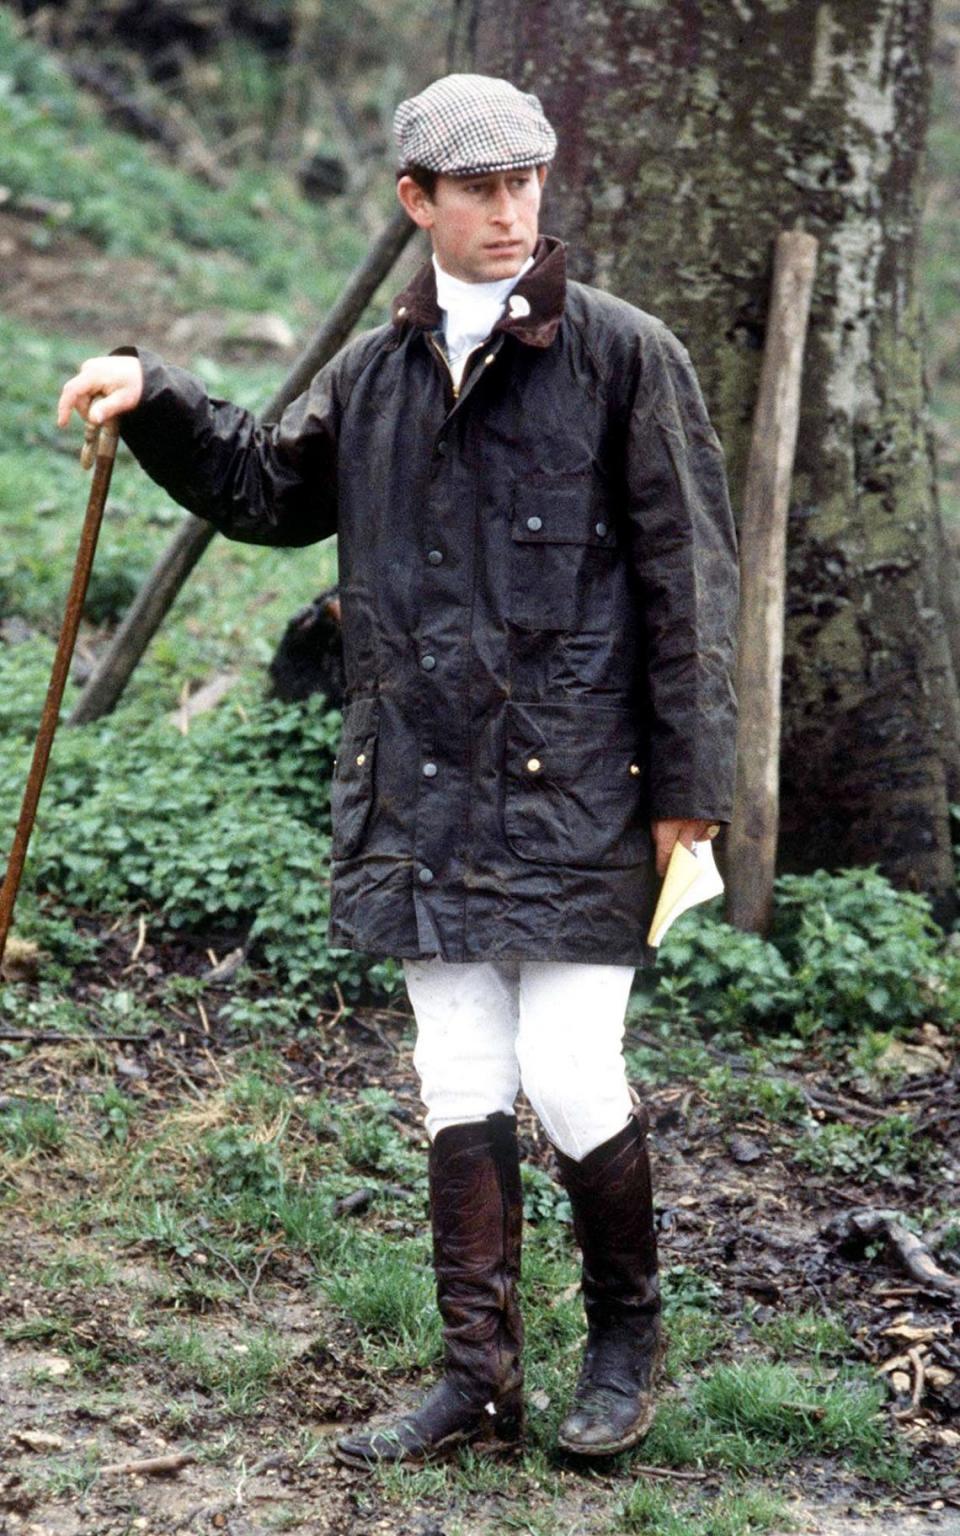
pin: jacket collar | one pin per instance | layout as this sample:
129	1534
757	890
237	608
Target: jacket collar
533	319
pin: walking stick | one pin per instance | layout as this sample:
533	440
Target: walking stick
99	449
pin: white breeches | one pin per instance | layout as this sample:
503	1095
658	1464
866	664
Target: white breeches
486	1028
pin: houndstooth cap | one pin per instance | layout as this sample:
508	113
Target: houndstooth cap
471	125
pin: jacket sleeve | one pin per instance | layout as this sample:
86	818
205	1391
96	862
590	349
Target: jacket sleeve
259	484
683	548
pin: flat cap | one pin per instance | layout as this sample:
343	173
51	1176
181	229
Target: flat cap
473	124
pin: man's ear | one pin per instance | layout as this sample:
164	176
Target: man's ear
416	202
542	173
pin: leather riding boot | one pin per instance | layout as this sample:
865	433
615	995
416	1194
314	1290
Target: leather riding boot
476	1208
612	1199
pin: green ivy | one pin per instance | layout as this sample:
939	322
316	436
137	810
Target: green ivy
846	952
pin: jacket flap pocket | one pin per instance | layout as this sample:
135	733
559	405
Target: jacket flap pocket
560	512
575	785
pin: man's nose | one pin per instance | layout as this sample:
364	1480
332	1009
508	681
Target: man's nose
503	209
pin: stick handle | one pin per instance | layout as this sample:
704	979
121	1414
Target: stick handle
100	447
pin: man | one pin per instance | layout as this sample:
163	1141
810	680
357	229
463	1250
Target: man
538	579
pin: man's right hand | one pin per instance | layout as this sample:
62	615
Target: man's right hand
104	387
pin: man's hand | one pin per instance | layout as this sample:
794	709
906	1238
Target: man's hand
666	833
104	387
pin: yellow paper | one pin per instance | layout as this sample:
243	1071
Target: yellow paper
691	877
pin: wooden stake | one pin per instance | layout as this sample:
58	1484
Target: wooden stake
752	836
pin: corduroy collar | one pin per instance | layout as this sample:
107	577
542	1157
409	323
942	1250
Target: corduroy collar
543	287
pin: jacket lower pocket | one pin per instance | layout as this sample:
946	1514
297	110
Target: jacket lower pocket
575	785
351	789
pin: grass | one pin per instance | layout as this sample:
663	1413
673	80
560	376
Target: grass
648	1510
238	1371
228	248
203	1192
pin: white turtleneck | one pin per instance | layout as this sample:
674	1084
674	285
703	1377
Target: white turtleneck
470	312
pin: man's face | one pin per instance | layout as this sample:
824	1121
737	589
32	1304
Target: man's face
483	227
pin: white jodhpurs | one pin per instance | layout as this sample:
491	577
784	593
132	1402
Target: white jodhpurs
486	1028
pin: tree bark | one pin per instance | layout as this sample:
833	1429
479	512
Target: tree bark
690	132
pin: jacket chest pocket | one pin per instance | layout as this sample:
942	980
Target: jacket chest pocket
575	786
562	549
351	789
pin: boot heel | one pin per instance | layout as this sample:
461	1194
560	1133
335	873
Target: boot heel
504	1427
509	1421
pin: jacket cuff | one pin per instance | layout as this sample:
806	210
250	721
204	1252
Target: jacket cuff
656	814
153	368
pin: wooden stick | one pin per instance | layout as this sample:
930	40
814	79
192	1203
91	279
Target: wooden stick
752	836
150	1465
155	598
99	448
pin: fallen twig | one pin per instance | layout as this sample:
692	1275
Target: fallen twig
141	938
912	1253
150	1465
675	1472
843	1108
49	1037
919	1377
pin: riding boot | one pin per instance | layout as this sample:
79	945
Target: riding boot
611	1195
476	1209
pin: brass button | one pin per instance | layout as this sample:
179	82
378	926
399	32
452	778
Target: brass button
401	311
361	759
533	765
634	769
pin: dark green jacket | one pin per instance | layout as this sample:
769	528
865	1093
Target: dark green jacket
539	585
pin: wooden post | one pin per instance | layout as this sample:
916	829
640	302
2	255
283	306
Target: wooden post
155	598
752	837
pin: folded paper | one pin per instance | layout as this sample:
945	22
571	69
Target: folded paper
692	876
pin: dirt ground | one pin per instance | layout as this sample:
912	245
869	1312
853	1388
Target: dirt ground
757	1227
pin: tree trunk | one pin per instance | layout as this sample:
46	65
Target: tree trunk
690	132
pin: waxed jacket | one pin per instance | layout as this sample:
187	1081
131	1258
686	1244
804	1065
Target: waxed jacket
538	582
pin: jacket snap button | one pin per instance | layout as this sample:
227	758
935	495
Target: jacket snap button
533	765
601	529
429	770
361	759
441	450
634	769
401	311
428	663
488	360
435	556
534	524
425	876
